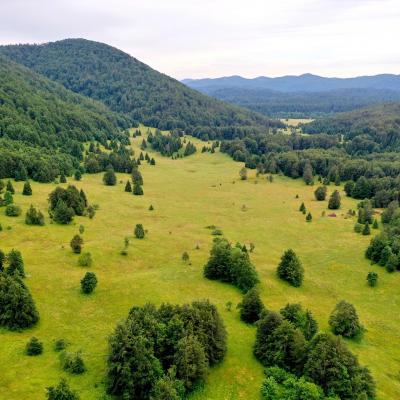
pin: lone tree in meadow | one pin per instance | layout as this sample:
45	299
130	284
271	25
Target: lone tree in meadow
61	392
251	306
34	347
344	320
76	244
290	268
136	177
17	308
185	257
109	177
128	186
137	190
320	193
302	208
372	279
27	190
334	201
139	231
309	217
243	174
88	282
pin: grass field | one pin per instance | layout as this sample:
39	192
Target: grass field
188	195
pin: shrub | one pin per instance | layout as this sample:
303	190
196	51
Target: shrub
60	344
366	231
63	214
375	225
309	217
334	201
358	227
372	279
10	187
61	392
151	208
290	268
251	306
8	198
13	210
137	190
301	319
72	363
85	260
109	177
139	231
185	257
344	320
34	217
302	208
243	174
320	193
76	244
128	186
88	282
15	264
34	347
27	190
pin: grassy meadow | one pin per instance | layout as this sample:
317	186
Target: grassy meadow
188	195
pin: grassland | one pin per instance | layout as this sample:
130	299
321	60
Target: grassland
188	195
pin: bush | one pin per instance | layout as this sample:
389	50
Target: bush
320	193
109	177
27	190
139	231
34	347
34	217
334	201
85	260
63	214
128	187
61	392
137	190
251	306
76	244
290	268
60	344
309	217
13	210
88	282
366	230
372	279
15	264
72	363
344	320
358	227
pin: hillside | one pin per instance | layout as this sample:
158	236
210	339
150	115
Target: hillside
127	85
378	126
301	83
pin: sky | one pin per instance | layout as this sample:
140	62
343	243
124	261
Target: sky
205	38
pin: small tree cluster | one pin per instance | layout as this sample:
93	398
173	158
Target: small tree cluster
231	264
34	347
34	217
72	363
27	190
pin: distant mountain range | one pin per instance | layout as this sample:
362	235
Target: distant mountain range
300	83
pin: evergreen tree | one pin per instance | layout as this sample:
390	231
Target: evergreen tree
168	388
137	190
2	260
12	210
34	217
62	214
61	392
10	187
372	279
375	224
21	173
302	320
302	208
88	282
392	263
348	188
15	264
76	244
139	231
344	320
334	201
78	175
320	193
8	198
185	257
290	268
109	177
63	178
309	217
151	208
366	231
34	347
251	306
308	173
152	161
137	178
128	187
385	255
17	308
27	190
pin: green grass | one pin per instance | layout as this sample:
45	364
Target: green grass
188	195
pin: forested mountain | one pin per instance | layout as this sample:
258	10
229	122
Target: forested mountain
371	129
42	124
127	85
301	83
303	104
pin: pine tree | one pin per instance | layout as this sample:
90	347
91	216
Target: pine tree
375	224
185	257
290	268
34	347
152	161
8	198
137	178
61	392
137	190
334	201
27	190
62	214
302	208
34	217
139	231
372	279
109	177
10	187
320	193
88	282
78	175
366	231
128	186
15	264
309	217
308	173
151	208
63	178
392	263
251	306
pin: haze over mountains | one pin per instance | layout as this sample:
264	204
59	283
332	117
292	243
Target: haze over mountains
301	96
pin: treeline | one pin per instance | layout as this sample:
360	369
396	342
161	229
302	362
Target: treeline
169	144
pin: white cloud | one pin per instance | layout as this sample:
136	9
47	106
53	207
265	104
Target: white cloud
192	38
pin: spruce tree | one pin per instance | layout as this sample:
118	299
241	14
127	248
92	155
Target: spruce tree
308	173
15	264
8	198
78	175
372	279
34	347
366	231
109	177
137	190
302	208
128	186
334	201
139	231
392	263
27	190
88	282
10	187
34	217
62	214
290	268
320	193
63	178
375	224
61	392
309	217
251	306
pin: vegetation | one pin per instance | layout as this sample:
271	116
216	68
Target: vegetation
139	231
344	320
251	306
88	282
290	268
34	217
34	347
76	244
61	392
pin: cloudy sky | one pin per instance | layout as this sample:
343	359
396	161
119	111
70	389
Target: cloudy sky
211	38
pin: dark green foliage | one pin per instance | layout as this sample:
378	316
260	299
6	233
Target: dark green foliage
392	263
10	187
185	257
8	198
137	178
385	255
76	244
344	320
61	392
190	148
139	231
126	85
301	319
62	214
12	210
163	353
34	347
320	193
17	308
375	225
302	208
27	190
2	260
375	248
60	344
290	268
88	282
128	186
230	264
251	307
34	217
348	188
372	279
152	161
309	217
308	173
137	190
63	178
109	177
15	264
366	230
151	208
72	363
333	367
334	201
78	175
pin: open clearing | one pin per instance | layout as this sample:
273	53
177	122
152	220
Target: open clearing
188	195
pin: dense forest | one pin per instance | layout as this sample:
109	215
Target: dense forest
126	85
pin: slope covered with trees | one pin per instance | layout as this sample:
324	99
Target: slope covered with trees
127	85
